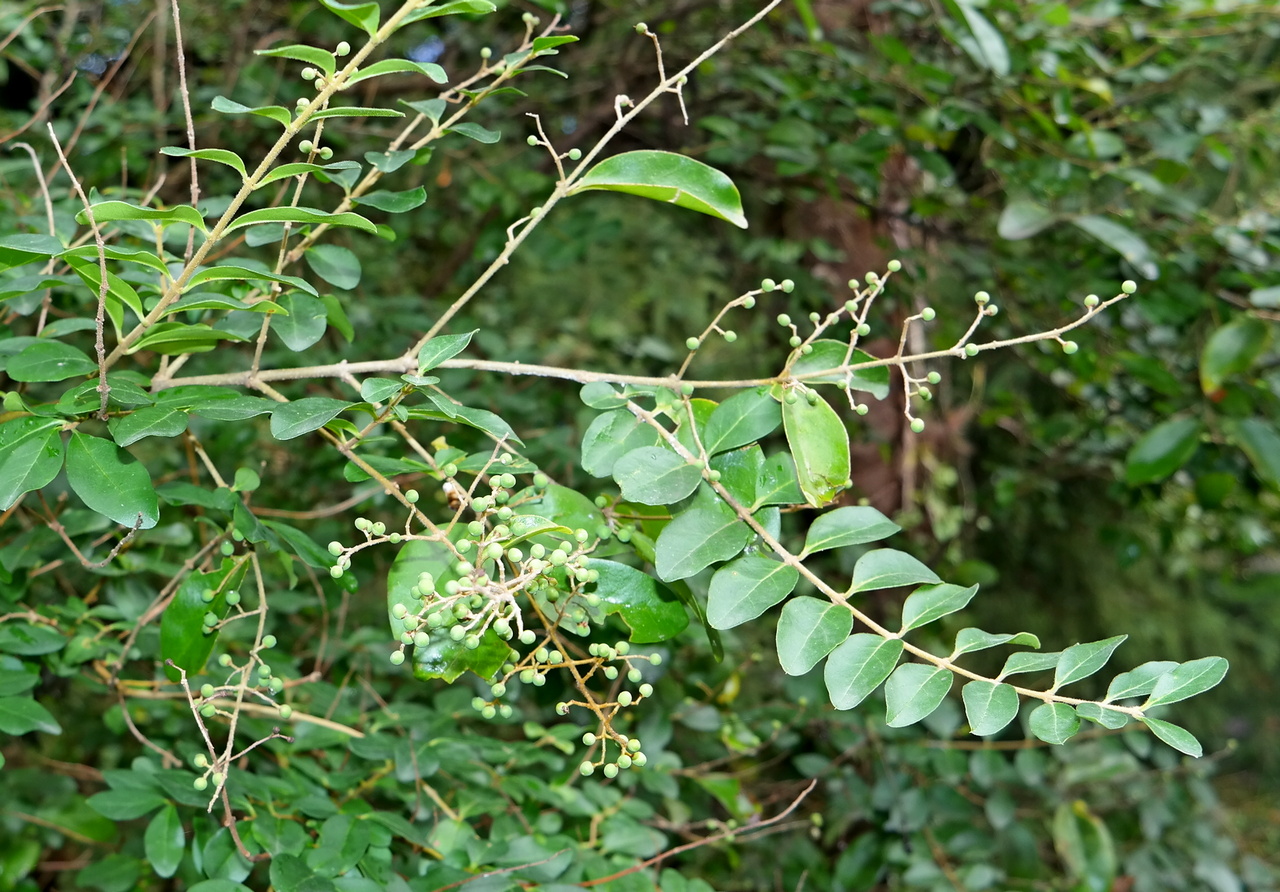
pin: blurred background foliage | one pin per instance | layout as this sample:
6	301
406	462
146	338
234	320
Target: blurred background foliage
1039	150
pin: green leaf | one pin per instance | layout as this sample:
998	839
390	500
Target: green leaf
22	715
476	132
301	215
989	706
400	66
650	609
1162	450
666	176
236	407
182	637
1259	440
1082	660
110	482
741	419
221	156
913	691
16	250
27	640
175	338
355	111
1023	219
851	525
305	321
50	361
1107	718
336	265
777	483
126	804
164	841
1180	739
30	456
149	421
390	162
241	273
820	446
322	59
1138	682
394	202
827	355
1054	722
858	666
988	48
889	568
218	884
290	420
433	109
739	472
933	602
699	537
1232	350
1084	844
808	630
1127	243
468	7
343	841
1022	661
480	419
611	436
377	390
90	272
1187	680
298	168
446	659
112	211
116	252
652	475
742	590
440	348
364	16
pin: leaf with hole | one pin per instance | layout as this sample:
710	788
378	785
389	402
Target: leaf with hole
989	706
913	692
667	177
858	666
820	446
933	602
652	475
109	481
697	538
743	418
1053	722
808	630
850	525
889	568
745	588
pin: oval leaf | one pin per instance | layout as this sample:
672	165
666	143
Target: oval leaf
1162	450
989	706
1232	349
826	363
970	640
1138	682
652	475
1113	719
1187	680
889	568
858	666
666	176
164	841
1082	660
303	416
30	456
820	446
611	436
697	538
1259	440
1123	240
742	590
741	419
1180	739
927	604
650	609
913	691
303	323
110	482
50	361
335	264
1023	219
808	630
1054	722
851	525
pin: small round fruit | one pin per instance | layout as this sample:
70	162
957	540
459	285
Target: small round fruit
917	425
397	657
200	783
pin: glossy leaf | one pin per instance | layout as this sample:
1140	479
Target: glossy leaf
777	483
698	538
987	47
231	272
743	418
480	419
1187	680
989	706
110	482
400	66
652	475
820	446
1231	350
808	630
446	659
126	804
1082	660
149	421
364	16
669	177
1022	661
1177	737
356	111
1259	440
1123	240
22	715
176	338
394	202
237	407
112	211
889	568
336	265
933	602
301	215
1054	722
304	322
30	456
50	361
440	348
474	131
649	609
300	168
1023	219
858	666
913	691
164	841
182	637
745	588
456	7
19	249
221	156
739	472
303	416
828	354
1138	682
322	59
1162	450
611	436
850	525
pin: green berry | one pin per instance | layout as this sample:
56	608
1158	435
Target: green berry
646	690
411	496
625	698
928	314
326	153
981	297
541	481
224	661
1128	286
208	710
862	408
795	340
218	778
210	619
692	344
306	147
586	769
527	637
399	611
624	761
748	301
286	712
1091	301
1069	347
768	285
970	349
611	771
633	745
276	685
589	739
450	470
895	266
489	712
206	691
655	659
787	286
227	549
639	760
208	595
863	330
575	154
336	572
933	378
342	49
917	425
397	657
730	336
200	783
784	319
309	74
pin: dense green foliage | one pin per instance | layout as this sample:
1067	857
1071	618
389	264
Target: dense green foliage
356	342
